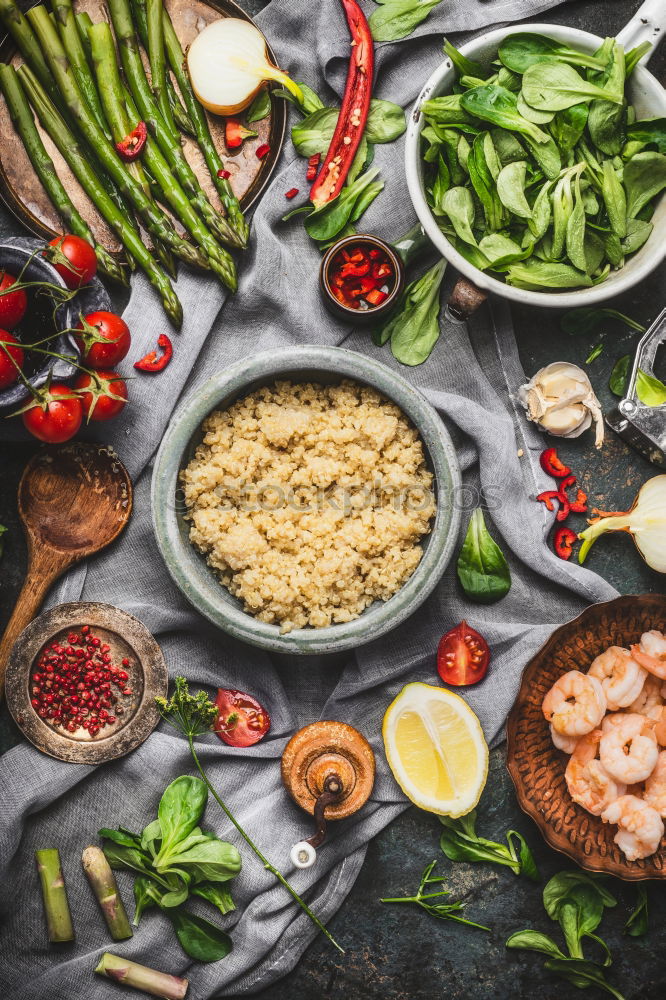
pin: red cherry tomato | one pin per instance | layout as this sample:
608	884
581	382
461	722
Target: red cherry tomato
8	355
12	304
241	720
57	417
462	656
103	400
82	265
104	339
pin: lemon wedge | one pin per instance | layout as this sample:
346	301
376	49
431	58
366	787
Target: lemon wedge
436	749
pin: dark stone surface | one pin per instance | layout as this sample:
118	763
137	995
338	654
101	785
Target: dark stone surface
396	953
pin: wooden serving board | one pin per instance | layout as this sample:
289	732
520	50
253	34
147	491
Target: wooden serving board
24	195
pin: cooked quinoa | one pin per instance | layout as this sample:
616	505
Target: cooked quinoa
309	501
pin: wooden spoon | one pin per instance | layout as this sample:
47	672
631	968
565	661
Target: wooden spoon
73	501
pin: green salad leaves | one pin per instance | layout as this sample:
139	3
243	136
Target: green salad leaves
460	842
174	859
536	168
483	571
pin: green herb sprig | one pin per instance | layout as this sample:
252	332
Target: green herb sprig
433	902
460	842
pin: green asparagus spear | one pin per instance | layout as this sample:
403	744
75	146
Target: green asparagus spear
181	117
158	72
157	223
56	907
116	102
71	40
56	127
214	163
135	75
24	124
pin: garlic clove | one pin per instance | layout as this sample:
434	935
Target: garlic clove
568	421
560	398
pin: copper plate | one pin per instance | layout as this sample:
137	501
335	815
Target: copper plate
127	637
537	768
24	196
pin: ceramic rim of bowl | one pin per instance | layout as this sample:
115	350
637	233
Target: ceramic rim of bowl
197	580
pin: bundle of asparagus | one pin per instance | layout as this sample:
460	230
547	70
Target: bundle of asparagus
71	79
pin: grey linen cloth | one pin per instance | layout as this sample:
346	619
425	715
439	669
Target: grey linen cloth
471	379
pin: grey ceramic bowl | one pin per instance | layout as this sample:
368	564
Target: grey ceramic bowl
188	567
15	253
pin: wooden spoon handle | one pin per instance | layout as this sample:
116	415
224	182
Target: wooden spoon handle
45	567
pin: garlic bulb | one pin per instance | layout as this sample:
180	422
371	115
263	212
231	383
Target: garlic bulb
561	400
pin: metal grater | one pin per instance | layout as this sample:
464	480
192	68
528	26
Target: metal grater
643	427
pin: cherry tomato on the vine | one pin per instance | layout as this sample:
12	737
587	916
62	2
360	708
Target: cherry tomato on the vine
102	400
10	357
80	267
241	720
104	339
56	416
462	656
12	304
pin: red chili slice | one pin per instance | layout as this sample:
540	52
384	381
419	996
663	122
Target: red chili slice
353	113
130	147
263	150
553	465
463	656
563	542
549	497
376	297
241	720
579	505
224	174
291	193
313	166
151	362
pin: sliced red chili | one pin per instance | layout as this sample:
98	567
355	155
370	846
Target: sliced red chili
549	497
130	147
235	133
291	193
224	174
579	505
263	150
564	541
353	113
567	482
553	465
376	297
152	362
313	166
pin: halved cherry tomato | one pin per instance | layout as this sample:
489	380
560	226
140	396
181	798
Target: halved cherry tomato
463	656
102	398
12	304
56	416
104	339
74	260
241	720
10	357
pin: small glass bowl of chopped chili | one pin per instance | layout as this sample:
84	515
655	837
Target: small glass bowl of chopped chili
361	279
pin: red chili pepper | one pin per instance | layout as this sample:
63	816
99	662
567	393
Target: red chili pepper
553	465
376	297
579	505
234	133
130	147
313	166
263	150
563	542
353	113
548	497
151	362
224	174
291	193
566	483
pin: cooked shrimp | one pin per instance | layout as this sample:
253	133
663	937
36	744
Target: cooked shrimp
651	653
655	786
627	755
657	715
640	826
565	743
650	696
631	721
620	676
588	782
575	704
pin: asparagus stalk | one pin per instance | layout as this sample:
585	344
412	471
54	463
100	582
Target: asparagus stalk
75	157
158	984
158	73
103	883
135	75
24	123
154	218
56	907
176	58
180	115
71	40
116	103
